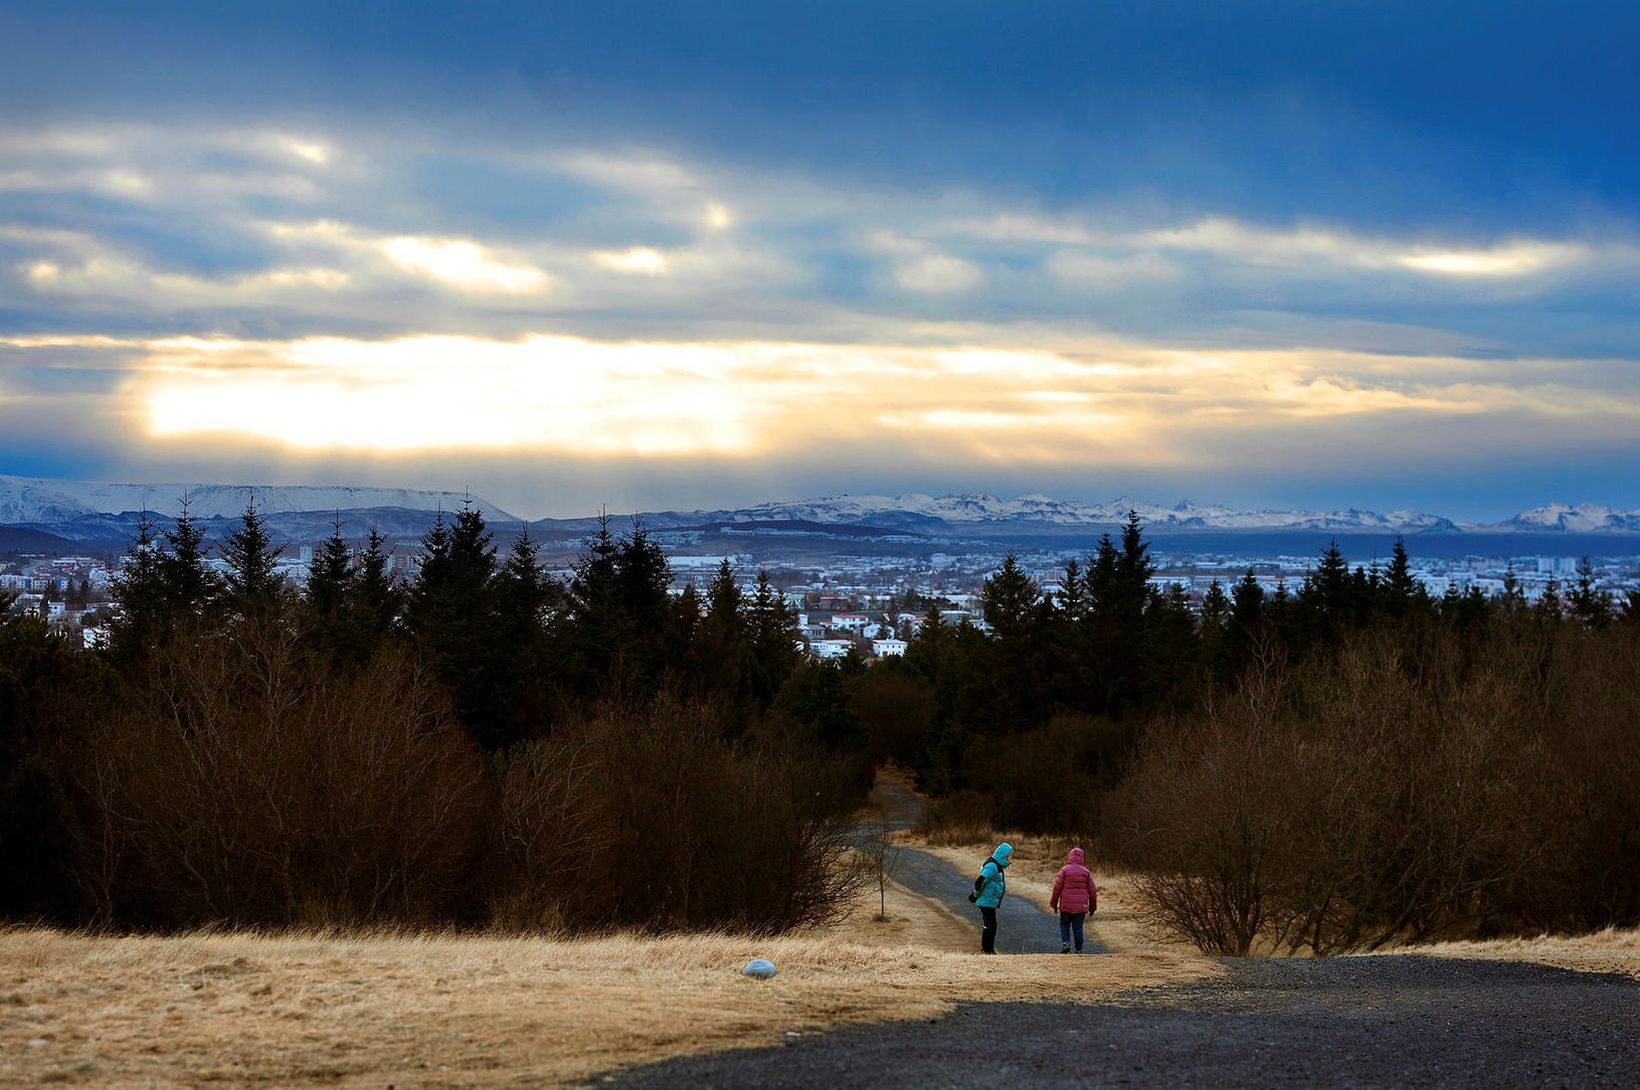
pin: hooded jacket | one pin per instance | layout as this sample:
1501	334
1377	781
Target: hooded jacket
1073	888
993	883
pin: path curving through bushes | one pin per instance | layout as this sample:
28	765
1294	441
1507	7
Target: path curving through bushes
1022	926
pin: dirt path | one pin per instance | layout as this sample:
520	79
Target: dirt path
1347	1022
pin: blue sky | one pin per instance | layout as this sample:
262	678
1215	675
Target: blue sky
1314	254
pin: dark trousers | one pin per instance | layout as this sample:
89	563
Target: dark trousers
1071	923
988	930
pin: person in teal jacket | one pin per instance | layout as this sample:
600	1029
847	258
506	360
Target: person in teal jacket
989	889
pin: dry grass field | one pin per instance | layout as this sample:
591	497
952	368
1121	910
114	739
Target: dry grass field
1608	951
458	1011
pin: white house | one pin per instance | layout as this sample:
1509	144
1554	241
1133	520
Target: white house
885	648
830	649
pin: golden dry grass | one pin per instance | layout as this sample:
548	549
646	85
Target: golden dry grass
461	1011
1608	951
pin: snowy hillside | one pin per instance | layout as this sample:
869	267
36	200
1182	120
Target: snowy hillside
1575	518
983	508
42	501
47	503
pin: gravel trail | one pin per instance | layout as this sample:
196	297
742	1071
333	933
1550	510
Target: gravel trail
1356	1022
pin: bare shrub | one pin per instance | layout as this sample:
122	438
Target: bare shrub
1202	828
642	815
957	820
1398	790
245	784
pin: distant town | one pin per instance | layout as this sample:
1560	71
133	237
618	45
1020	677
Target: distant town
867	606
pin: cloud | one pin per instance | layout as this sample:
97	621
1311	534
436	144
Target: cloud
462	264
937	274
1305	245
1091	270
756	399
434	292
639	259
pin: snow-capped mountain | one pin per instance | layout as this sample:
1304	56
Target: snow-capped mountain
1582	518
978	509
51	504
42	501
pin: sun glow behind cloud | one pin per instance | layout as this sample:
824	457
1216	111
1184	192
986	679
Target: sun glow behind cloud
749	399
463	265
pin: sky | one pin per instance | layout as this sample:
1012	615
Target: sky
648	255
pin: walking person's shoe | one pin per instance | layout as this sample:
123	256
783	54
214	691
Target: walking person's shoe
1065	948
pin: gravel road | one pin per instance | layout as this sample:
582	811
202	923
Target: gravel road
1357	1022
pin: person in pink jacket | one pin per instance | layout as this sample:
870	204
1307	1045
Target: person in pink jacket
1074	896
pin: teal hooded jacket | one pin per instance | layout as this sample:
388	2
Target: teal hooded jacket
994	882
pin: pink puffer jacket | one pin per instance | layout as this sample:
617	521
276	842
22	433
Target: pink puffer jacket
1073	889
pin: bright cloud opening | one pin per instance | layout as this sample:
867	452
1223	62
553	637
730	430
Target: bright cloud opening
639	259
1520	259
462	264
745	399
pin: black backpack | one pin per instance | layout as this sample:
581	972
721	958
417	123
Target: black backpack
979	883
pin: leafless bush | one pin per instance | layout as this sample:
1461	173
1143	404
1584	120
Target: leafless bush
243	784
642	815
1201	827
957	820
880	860
1398	791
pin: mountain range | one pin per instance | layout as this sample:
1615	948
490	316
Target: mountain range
94	512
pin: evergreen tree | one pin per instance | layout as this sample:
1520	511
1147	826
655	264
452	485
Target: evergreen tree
682	645
1171	650
1513	599
142	610
1133	566
451	614
1549	605
1073	595
254	585
1247	629
1325	598
329	580
1589	604
1010	599
523	593
593	619
1123	639
1101	577
1214	632
188	585
642	578
773	636
374	599
332	573
1399	588
725	639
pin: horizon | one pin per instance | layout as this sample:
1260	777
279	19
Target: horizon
901	494
649	257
